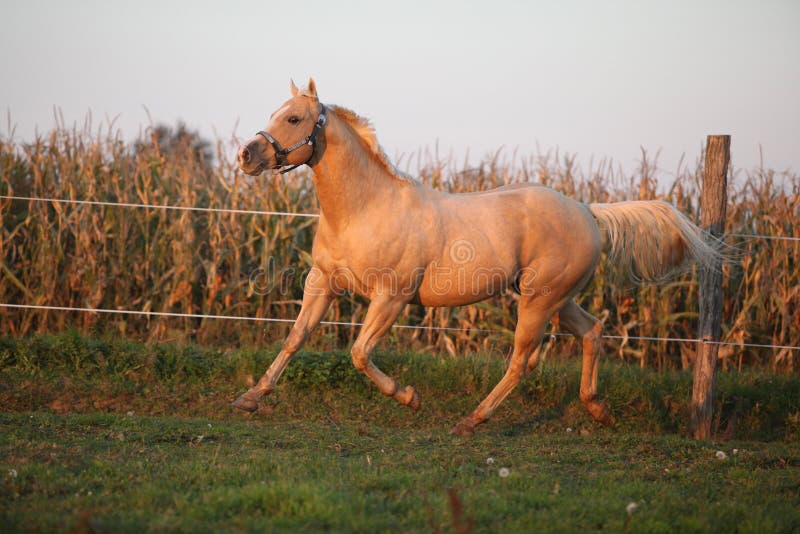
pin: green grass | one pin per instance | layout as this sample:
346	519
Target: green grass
113	436
128	473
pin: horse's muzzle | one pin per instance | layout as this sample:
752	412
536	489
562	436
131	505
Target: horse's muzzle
244	155
249	158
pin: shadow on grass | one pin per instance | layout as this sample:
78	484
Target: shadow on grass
70	373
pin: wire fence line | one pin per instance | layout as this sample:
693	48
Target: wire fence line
335	323
259	212
229	317
157	206
353	324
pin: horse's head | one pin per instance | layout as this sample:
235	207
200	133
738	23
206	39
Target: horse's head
290	138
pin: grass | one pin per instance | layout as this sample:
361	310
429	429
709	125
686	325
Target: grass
114	472
110	436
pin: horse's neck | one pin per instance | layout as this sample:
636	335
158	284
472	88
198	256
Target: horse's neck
347	177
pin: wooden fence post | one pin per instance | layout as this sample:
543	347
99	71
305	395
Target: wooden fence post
713	199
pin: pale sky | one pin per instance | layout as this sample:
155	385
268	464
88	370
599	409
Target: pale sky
596	78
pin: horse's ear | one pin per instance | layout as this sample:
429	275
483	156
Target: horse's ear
312	88
293	87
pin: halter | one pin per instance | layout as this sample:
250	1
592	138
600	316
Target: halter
281	153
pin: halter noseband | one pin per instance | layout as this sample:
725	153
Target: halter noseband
281	153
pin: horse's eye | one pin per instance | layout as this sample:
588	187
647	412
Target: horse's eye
294	119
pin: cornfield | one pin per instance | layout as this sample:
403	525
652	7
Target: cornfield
211	263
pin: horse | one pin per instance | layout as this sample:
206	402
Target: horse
395	241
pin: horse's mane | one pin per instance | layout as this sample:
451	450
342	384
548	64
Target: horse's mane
366	132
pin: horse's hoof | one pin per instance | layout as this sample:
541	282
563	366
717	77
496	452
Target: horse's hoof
463	429
245	404
600	412
608	420
415	400
412	398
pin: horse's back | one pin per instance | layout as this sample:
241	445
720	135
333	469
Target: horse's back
498	234
534	214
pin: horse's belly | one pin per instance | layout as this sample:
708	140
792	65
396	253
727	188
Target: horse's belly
458	285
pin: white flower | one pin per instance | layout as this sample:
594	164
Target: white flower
631	507
489	461
504	472
130	414
569	429
735	452
12	473
721	455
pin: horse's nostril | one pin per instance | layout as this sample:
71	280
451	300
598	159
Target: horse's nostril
244	154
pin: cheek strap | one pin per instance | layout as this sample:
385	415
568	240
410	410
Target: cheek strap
282	153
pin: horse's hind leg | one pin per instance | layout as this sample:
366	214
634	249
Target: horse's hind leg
589	329
381	314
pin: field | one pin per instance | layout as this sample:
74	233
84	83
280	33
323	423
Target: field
217	263
120	423
109	435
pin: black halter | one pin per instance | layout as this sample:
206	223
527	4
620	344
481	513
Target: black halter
281	153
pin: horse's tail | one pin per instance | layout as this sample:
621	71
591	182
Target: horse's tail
653	239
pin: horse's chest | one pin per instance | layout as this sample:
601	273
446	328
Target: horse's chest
362	268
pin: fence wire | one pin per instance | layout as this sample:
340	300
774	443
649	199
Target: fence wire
259	212
336	323
159	207
353	324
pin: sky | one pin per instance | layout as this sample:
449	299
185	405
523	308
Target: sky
597	79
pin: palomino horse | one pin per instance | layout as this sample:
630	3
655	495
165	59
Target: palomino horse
396	241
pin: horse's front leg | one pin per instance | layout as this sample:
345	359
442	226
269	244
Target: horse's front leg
381	314
317	298
533	317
